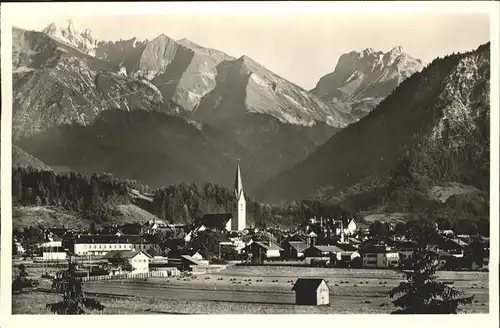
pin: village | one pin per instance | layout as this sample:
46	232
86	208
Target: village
219	242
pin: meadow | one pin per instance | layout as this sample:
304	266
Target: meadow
256	290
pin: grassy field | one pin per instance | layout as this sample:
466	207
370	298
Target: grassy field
237	290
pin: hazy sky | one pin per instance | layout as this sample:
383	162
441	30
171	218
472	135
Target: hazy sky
299	46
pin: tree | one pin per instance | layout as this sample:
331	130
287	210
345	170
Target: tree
21	280
155	250
207	243
74	299
379	229
32	237
421	293
92	228
400	229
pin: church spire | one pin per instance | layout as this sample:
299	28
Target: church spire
238	185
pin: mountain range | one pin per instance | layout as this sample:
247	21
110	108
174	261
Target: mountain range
65	79
380	131
430	134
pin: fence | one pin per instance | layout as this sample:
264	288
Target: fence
143	275
201	269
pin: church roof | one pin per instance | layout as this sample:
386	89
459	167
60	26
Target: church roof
238	184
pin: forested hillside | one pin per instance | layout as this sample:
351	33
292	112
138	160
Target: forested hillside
98	198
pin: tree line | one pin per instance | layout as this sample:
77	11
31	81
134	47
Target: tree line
92	196
187	202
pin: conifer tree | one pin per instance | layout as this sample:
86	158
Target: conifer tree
74	299
422	294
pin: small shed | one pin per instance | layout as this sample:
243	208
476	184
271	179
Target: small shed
310	291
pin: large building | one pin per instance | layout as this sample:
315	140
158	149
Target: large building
94	245
239	219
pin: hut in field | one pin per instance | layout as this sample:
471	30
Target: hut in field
311	292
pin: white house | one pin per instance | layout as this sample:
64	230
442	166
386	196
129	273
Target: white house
54	254
138	259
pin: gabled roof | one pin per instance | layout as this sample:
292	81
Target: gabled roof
346	247
441	253
299	246
354	240
375	249
459	242
271	247
110	239
328	248
124	254
307	284
190	259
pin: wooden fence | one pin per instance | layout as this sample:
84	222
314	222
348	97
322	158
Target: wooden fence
142	275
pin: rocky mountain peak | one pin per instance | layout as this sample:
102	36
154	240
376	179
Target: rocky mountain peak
69	32
362	79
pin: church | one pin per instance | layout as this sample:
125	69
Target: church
238	221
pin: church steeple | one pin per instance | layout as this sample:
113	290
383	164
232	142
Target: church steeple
238	184
239	218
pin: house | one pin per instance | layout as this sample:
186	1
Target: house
54	254
406	249
19	247
263	250
377	256
293	249
52	241
348	256
455	247
321	254
136	261
238	243
311	292
185	262
444	260
196	256
363	228
95	245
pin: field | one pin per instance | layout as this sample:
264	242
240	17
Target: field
351	291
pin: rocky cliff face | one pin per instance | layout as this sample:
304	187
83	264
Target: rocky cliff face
71	34
54	83
243	86
272	122
431	131
362	79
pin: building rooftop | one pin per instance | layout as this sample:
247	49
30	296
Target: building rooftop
111	239
299	246
271	246
307	284
123	254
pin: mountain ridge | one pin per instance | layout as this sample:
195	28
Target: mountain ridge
361	79
432	129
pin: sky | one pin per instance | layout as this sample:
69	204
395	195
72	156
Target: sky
299	45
